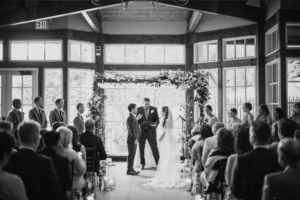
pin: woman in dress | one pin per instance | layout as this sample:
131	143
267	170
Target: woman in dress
264	114
233	119
278	115
77	146
210	118
168	174
248	118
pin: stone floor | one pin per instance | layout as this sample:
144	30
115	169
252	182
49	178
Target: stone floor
131	187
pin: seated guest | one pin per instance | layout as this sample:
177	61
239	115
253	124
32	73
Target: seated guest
197	150
15	116
241	145
37	113
296	115
79	167
251	167
233	119
11	186
90	140
56	125
61	164
211	142
210	118
297	135
78	121
5	126
195	133
36	171
278	115
77	146
284	184
248	117
264	114
214	170
58	114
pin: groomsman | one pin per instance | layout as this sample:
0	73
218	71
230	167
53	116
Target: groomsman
58	114
15	116
78	121
37	113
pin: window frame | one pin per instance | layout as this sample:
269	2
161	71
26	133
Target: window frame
80	43
235	39
1	56
286	35
269	32
207	43
270	64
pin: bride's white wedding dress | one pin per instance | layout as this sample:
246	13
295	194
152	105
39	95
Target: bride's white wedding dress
168	174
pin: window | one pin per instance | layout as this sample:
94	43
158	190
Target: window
206	51
80	51
272	85
293	35
1	51
293	84
80	82
239	48
213	89
144	54
36	50
239	87
272	40
53	88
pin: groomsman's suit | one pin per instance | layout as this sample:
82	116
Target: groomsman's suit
78	123
15	117
57	116
38	115
132	138
148	124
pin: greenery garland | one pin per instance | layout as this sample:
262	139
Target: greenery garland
196	80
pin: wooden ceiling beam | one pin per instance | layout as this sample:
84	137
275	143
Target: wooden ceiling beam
194	21
93	21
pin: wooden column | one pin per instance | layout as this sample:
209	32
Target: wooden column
260	72
220	79
283	66
100	59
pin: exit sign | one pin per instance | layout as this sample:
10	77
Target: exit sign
42	25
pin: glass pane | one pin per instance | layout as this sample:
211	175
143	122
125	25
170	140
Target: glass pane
74	78
229	77
36	50
87	78
240	77
74	96
53	50
275	73
240	95
250	94
250	48
174	54
135	54
74	51
27	96
53	87
154	54
293	69
17	81
17	93
114	54
250	76
229	50
27	80
213	52
293	38
275	93
240	48
18	50
1	53
230	95
87	52
204	52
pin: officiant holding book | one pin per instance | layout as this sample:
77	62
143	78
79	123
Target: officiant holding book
148	124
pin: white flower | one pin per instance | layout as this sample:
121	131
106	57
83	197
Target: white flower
152	111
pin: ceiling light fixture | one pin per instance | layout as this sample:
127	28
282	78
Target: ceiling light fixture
96	2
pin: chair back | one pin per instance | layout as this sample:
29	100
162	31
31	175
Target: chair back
288	197
90	159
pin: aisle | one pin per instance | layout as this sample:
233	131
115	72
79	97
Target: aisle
131	188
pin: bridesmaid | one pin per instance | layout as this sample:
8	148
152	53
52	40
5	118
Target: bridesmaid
248	118
264	114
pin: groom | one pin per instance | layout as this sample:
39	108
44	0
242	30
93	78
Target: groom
133	137
148	124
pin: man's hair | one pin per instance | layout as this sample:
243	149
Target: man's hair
287	127
248	105
297	135
217	126
89	124
65	136
146	99
225	140
79	105
234	110
209	107
51	138
15	102
6	126
289	151
56	125
36	99
28	131
297	105
7	143
261	132
131	106
280	112
57	101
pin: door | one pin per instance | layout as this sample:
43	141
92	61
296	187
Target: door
17	84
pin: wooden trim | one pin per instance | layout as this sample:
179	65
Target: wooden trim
144	67
283	65
144	39
239	63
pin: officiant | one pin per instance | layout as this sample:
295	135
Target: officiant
148	124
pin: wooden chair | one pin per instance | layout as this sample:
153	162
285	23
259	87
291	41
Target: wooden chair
90	159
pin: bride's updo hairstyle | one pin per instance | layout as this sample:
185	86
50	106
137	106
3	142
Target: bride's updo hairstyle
165	110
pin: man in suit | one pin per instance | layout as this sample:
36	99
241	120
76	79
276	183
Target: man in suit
284	184
37	113
36	171
148	123
132	138
90	140
15	116
58	114
78	120
61	164
251	167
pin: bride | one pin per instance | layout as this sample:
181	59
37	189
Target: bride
168	174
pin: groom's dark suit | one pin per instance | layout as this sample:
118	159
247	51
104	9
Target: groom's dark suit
133	135
148	123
